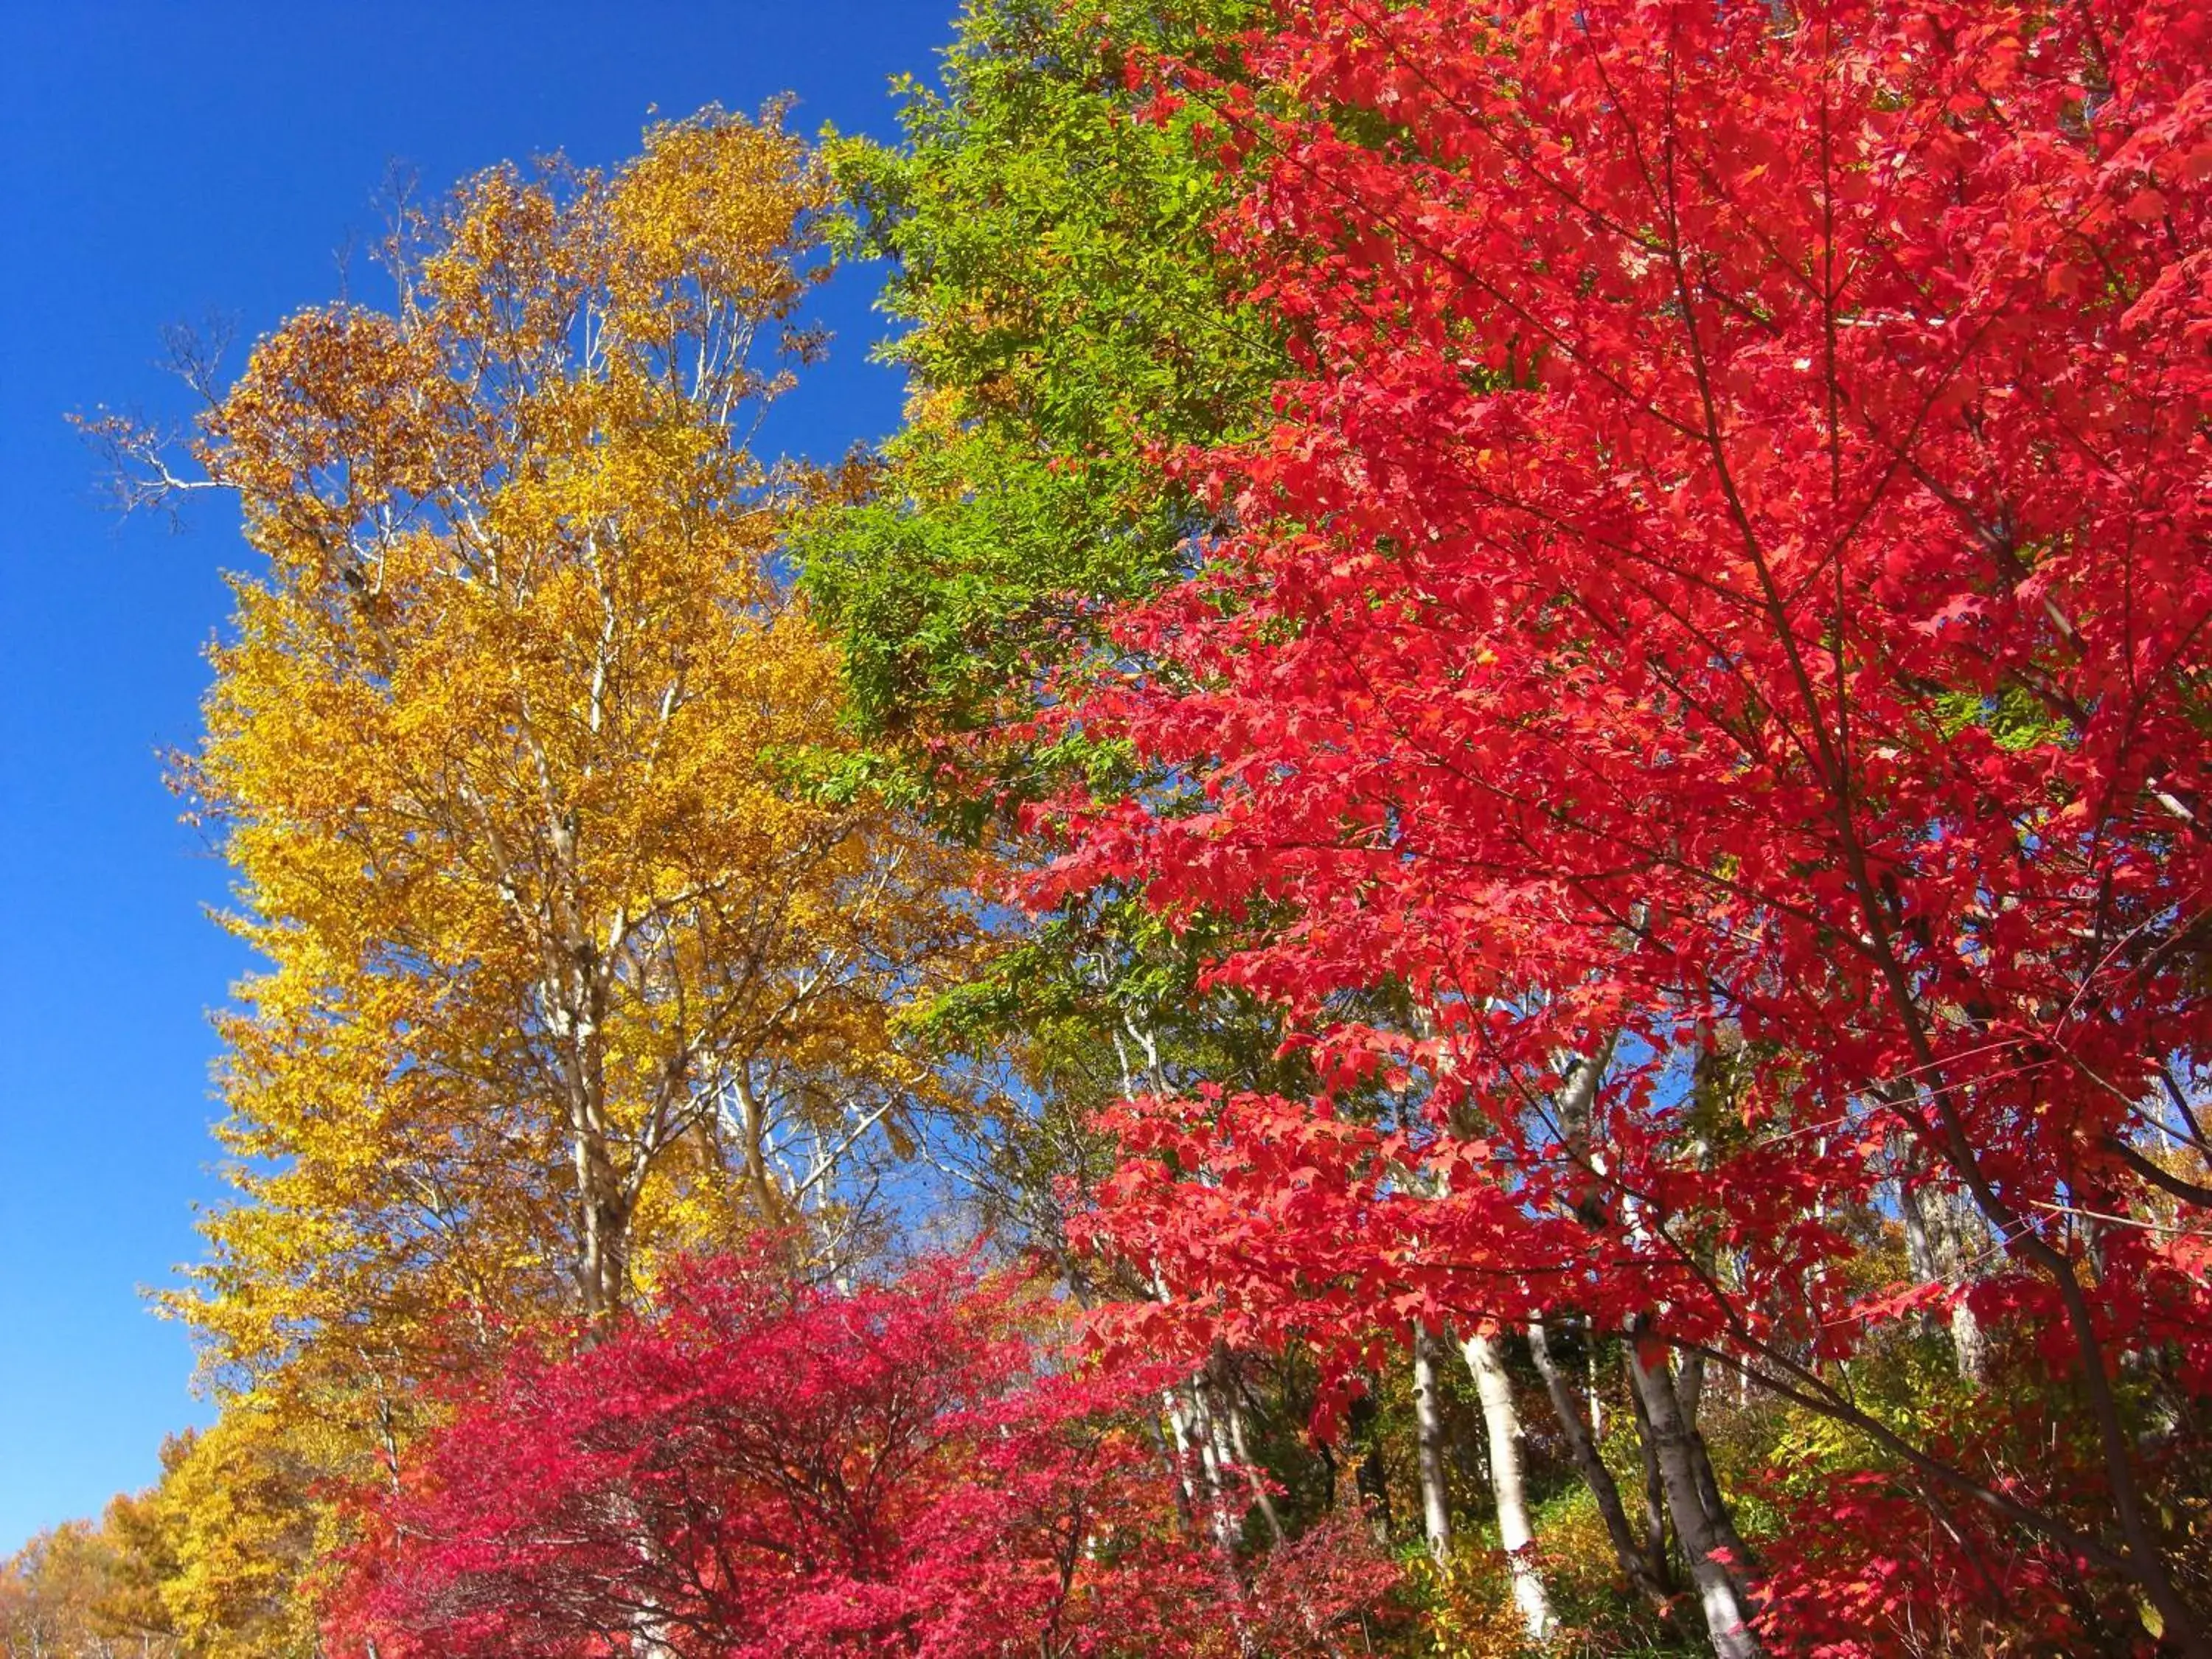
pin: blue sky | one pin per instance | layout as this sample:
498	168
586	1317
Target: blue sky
159	162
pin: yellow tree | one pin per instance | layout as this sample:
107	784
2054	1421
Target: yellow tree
53	1597
234	1531
81	1591
516	752
213	1562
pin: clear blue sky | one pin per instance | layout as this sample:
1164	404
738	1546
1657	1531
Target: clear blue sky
159	161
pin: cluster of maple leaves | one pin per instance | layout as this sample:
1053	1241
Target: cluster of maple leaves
773	1467
1726	591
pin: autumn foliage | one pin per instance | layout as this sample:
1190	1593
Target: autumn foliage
775	1468
1590	623
570	959
510	751
1721	612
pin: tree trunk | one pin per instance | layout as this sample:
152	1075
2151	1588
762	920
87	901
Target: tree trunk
1689	1392
1967	1340
1716	1506
1935	1249
648	1620
1429	1446
602	1212
1223	1459
1170	1458
1582	1447
1655	1496
1920	1254
1690	1385
601	1265
1501	1422
1720	1590
753	1122
1596	1395
1254	1476
1203	1457
1370	1477
1195	1437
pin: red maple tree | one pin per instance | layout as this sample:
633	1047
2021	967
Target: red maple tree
769	1467
1720	620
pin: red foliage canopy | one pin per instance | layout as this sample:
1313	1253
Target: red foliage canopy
1732	566
768	1468
775	1469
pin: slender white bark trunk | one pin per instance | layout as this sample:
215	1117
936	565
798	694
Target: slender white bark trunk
1690	1385
1655	1561
1201	1456
1596	1394
648	1625
1501	1422
1582	1447
1935	1249
1920	1254
1429	1446
1202	1462
1220	1463
1181	1457
1254	1476
1171	1456
1720	1589
649	1636
1954	1251
1973	1348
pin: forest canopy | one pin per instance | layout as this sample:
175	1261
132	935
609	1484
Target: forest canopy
1463	913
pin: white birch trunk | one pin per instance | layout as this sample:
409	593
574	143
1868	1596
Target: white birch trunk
1221	1458
1936	1248
1253	1475
1720	1592
1429	1447
1596	1395
1589	1463
1954	1248
1501	1422
1690	1385
1194	1461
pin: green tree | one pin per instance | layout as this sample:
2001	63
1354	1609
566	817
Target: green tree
1065	315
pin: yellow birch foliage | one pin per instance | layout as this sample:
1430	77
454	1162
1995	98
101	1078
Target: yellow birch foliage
240	1524
510	751
66	1594
210	1563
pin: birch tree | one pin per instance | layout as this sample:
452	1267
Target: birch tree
517	749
